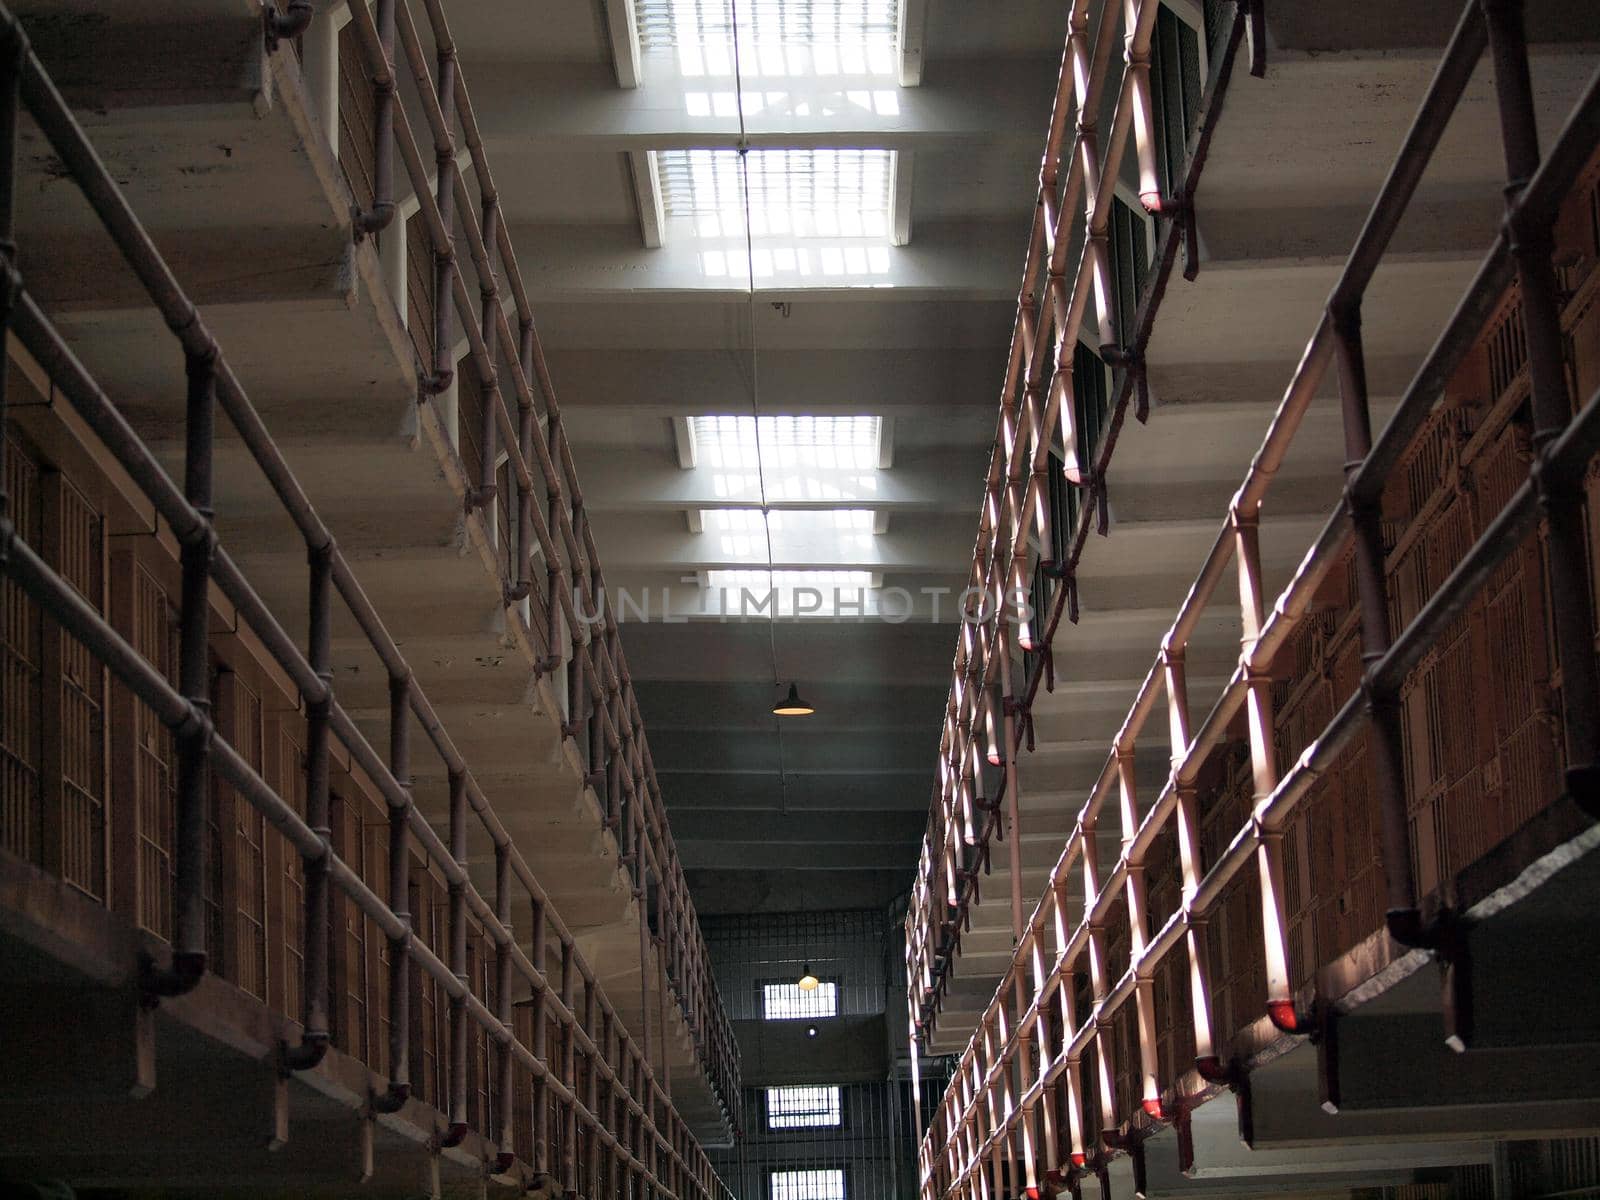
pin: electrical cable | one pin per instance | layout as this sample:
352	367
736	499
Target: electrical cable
755	394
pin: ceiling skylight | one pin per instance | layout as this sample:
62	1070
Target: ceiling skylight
826	443
793	193
828	534
777	38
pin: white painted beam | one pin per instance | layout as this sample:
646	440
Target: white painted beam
911	37
659	542
622	26
948	394
930	481
647	195
577	106
967	260
904	172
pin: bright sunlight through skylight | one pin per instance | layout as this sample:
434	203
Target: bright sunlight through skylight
787	442
778	39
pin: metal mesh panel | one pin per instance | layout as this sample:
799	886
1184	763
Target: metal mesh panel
1175	86
81	733
420	284
430	1037
250	882
1218	18
1130	260
292	882
155	635
1508	351
1090	402
351	1034
469	419
22	650
357	118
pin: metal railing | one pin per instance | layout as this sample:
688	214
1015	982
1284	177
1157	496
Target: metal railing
1020	1114
578	625
1038	418
633	1133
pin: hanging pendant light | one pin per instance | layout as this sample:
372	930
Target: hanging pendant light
792	706
807	981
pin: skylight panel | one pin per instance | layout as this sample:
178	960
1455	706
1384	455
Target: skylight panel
827	535
819	443
793	193
777	38
803	1108
824	521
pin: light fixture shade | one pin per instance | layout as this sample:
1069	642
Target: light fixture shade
792	706
807	981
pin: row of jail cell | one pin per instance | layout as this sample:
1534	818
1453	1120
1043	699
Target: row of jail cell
88	793
1469	783
462	408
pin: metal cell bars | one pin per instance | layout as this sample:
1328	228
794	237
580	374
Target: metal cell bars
998	1125
580	626
1038	415
657	1150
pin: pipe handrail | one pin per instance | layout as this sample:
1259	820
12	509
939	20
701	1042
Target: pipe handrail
192	525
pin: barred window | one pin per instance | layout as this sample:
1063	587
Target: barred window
807	1185
787	1002
803	1108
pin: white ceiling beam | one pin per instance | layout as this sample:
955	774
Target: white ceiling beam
900	199
911	36
577	106
957	384
659	542
936	480
683	441
623	27
968	260
647	195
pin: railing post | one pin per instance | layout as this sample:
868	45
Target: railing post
1263	774
194	683
1013	781
541	1122
384	91
569	1116
1068	1009
1385	750
1099	981
525	436
314	997
444	256
1138	936
1189	858
13	56
506	1134
1563	507
458	962
399	1090
487	489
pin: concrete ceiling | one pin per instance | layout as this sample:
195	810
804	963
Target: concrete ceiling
639	336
